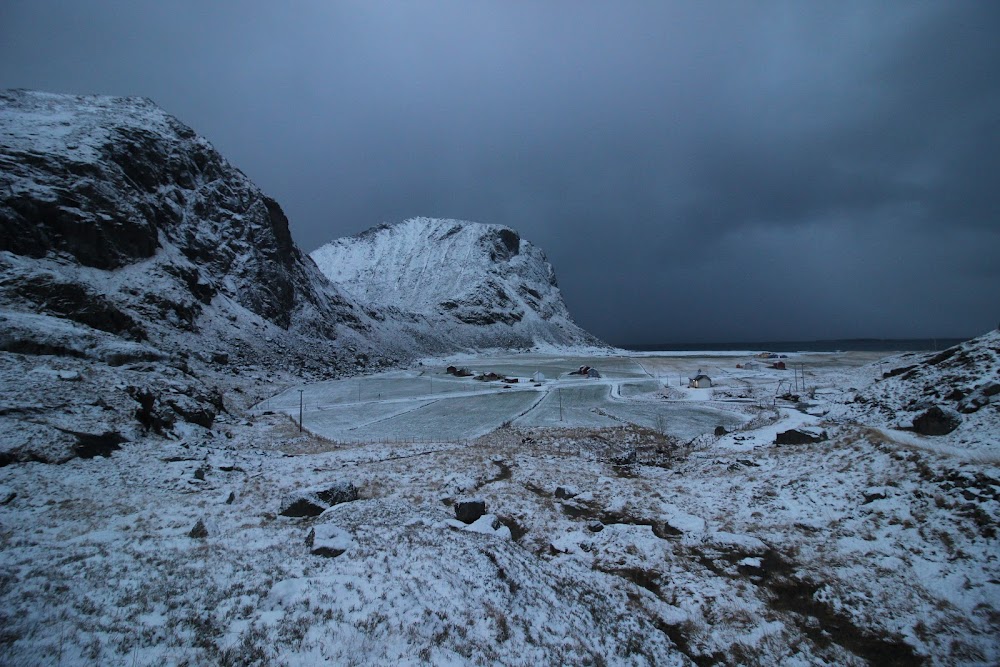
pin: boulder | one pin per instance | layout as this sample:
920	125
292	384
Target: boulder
199	532
679	524
89	445
799	437
301	506
315	501
488	524
873	494
936	421
341	492
977	399
192	410
566	492
329	541
468	511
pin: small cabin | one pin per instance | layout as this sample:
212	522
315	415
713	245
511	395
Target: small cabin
700	381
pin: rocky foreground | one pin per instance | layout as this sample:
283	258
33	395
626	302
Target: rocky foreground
250	543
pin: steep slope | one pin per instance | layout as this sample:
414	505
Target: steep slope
139	271
473	284
146	222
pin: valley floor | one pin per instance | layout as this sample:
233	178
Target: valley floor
625	533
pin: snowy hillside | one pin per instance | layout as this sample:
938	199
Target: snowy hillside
602	543
952	396
115	215
477	285
141	271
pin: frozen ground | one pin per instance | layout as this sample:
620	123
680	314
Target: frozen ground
426	403
610	537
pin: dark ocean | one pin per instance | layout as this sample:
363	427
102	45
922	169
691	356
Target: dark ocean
848	345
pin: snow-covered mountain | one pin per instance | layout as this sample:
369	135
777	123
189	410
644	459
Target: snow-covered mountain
116	216
473	284
141	276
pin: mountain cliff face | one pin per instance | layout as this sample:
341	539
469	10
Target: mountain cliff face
473	284
115	215
146	283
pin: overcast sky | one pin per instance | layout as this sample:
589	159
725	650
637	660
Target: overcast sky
696	171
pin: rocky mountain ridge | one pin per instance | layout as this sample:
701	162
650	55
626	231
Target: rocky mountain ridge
473	283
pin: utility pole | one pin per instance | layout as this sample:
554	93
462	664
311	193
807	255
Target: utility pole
300	410
560	403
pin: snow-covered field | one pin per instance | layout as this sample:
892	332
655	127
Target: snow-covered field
427	403
627	533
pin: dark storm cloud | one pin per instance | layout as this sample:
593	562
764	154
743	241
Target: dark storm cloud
697	171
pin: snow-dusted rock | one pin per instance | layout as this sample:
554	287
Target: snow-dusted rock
488	524
682	523
469	510
746	544
799	436
935	421
153	228
200	531
330	541
316	500
566	492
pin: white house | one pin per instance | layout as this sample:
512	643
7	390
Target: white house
538	377
700	381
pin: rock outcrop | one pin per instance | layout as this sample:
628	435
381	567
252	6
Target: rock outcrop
115	215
